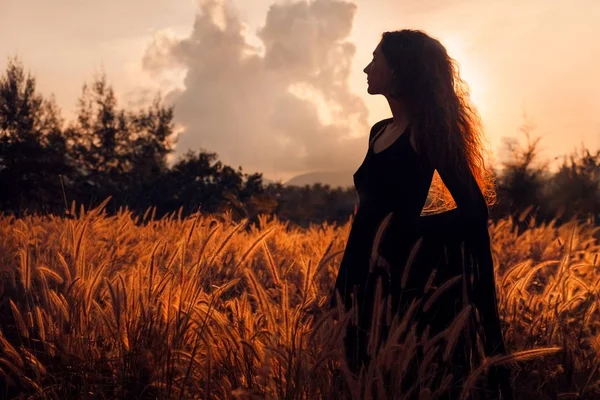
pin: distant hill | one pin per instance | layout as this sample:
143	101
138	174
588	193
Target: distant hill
267	181
333	179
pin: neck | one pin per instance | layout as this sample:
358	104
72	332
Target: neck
399	113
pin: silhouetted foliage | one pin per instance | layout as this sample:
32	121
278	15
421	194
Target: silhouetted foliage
33	150
198	181
522	181
119	153
574	191
316	203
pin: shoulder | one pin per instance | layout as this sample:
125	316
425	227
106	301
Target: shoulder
377	126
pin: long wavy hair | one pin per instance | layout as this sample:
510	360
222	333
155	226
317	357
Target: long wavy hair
448	127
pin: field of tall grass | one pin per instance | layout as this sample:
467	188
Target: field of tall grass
119	307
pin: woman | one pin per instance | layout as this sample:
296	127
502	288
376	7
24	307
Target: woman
434	127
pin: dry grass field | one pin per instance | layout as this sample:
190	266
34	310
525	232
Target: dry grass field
117	307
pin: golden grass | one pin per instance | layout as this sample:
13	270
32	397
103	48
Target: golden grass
206	307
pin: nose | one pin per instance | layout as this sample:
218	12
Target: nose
366	70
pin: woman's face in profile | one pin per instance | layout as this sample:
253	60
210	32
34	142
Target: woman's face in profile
378	73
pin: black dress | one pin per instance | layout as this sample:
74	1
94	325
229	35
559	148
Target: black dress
454	243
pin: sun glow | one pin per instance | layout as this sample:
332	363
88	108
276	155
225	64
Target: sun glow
469	71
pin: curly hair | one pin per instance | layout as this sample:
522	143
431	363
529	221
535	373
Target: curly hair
448	126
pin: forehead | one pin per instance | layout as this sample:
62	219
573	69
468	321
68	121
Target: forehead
377	49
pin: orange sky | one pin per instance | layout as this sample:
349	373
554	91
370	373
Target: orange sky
541	56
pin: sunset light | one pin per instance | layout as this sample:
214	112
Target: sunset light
291	199
470	72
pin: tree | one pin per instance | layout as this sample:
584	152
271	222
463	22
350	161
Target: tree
33	154
522	181
575	188
120	153
199	181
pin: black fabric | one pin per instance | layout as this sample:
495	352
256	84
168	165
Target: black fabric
454	243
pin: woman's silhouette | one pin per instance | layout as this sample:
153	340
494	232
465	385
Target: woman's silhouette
434	127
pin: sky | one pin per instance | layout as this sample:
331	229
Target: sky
278	86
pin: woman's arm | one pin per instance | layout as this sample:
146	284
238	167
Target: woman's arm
470	220
471	211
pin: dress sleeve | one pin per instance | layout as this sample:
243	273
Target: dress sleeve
470	218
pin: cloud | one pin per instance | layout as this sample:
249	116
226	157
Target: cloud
284	106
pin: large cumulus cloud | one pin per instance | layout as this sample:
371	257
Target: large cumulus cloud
280	104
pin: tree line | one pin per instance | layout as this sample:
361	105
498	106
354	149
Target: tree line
107	151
